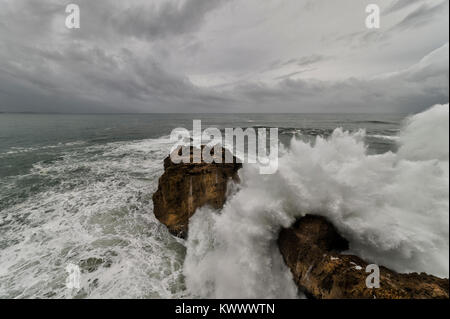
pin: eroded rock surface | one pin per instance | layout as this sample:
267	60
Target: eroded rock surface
311	249
184	187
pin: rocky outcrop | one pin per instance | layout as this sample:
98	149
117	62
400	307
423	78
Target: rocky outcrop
311	249
184	187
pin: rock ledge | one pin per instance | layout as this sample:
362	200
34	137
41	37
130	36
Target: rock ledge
311	249
184	187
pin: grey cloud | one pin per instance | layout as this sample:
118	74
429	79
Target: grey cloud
410	90
306	60
124	59
400	5
168	19
282	77
364	38
303	61
95	72
421	16
105	20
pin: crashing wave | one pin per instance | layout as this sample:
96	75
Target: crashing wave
392	207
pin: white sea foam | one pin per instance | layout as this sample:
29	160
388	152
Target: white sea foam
426	135
16	150
385	137
99	209
392	207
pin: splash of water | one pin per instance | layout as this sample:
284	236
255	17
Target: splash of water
393	208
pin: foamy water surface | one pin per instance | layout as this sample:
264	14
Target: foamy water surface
83	197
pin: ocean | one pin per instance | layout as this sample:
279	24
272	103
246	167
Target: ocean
77	190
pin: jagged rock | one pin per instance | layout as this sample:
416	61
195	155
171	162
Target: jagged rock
184	187
311	249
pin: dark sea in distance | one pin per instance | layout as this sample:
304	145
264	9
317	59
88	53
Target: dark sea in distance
26	139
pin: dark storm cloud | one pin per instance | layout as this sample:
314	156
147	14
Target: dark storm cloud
143	56
169	19
105	20
112	18
85	73
410	90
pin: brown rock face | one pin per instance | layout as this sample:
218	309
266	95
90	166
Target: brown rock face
311	249
184	187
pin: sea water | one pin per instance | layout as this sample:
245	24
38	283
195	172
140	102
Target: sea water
77	189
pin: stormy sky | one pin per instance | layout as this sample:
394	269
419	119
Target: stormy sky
223	56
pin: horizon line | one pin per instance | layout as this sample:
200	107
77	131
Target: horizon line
186	113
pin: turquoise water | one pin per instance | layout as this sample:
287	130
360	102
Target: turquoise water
76	189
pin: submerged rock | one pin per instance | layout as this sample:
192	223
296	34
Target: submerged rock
90	264
184	187
311	249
